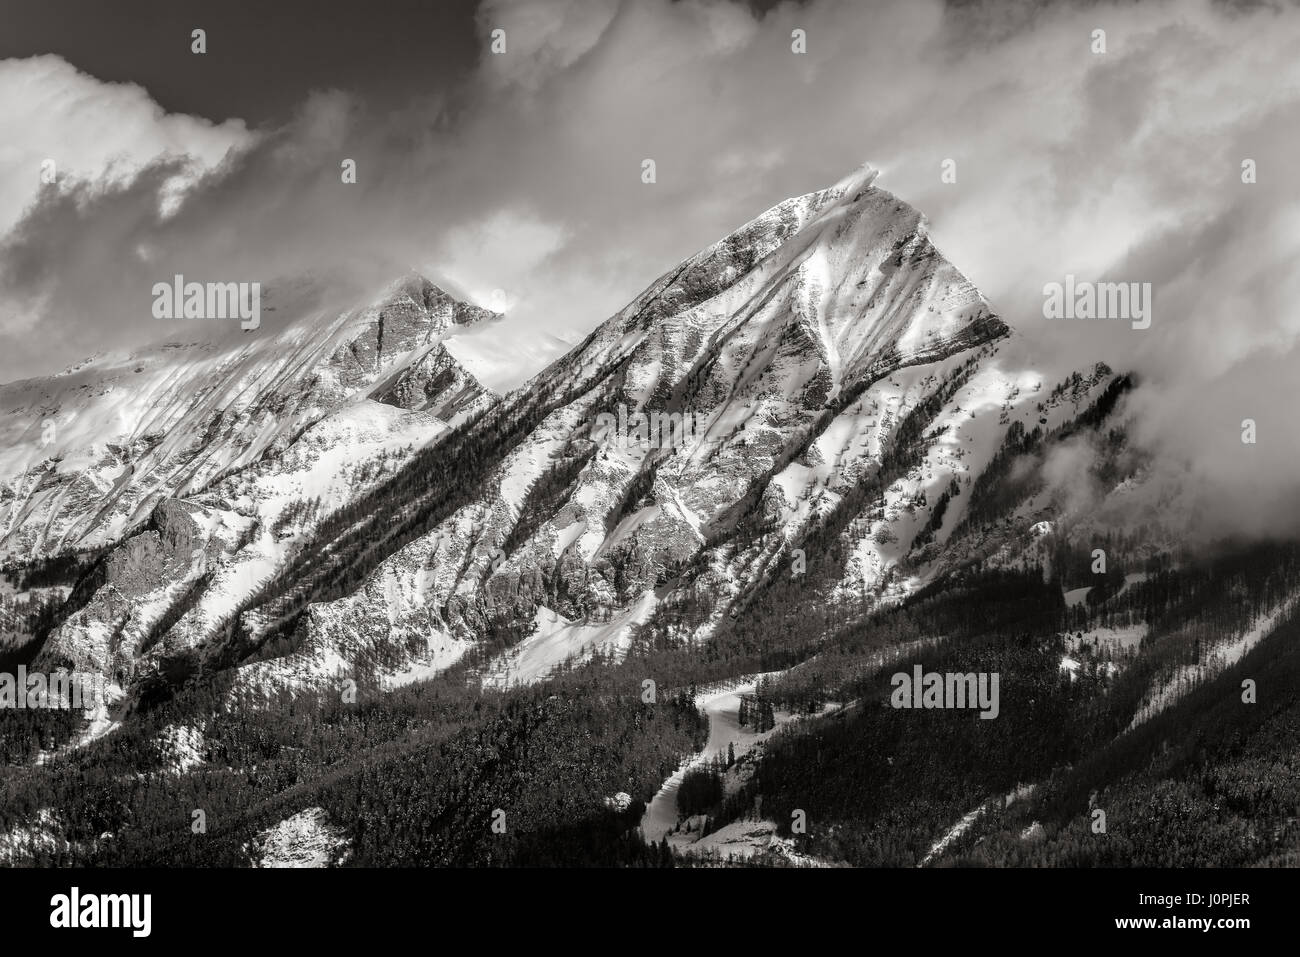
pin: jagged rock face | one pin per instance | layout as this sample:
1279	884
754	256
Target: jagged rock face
435	383
415	315
142	580
779	344
86	454
175	583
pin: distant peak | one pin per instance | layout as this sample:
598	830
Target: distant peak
416	286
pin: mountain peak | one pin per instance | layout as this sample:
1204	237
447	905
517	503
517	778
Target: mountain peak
429	296
863	177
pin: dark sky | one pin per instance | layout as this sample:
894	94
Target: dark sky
263	57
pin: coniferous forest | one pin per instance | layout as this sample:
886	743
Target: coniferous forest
416	774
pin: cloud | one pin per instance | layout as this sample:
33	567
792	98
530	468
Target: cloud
542	39
103	133
1124	165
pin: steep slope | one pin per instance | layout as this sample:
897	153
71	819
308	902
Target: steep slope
88	453
308	422
797	346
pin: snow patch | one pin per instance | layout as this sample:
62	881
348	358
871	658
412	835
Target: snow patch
305	840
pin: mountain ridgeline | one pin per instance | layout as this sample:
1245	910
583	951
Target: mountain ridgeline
333	584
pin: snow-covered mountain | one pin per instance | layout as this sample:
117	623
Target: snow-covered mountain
805	456
796	345
86	455
194	468
348	496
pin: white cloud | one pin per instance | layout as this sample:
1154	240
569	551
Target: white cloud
103	133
